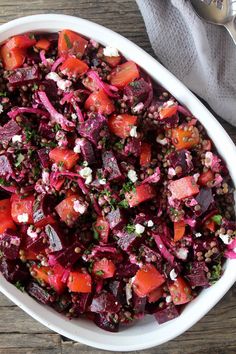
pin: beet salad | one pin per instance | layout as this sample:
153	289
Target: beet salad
114	202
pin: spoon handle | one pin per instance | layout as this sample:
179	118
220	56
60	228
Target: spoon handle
232	30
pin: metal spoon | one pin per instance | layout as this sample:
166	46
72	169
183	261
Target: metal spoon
218	12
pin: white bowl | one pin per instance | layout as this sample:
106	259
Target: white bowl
145	333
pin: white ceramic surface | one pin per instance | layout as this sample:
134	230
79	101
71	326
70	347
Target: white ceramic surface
145	333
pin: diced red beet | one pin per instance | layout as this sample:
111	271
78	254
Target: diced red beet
197	275
139	304
68	256
8	130
24	75
116	219
13	270
50	87
167	314
45	130
204	199
137	91
126	270
37	244
57	239
105	322
44	157
92	127
43	207
128	241
117	289
39	293
110	165
5	166
10	244
87	151
179	159
133	147
105	303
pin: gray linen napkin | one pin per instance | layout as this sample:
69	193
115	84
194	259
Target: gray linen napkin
201	55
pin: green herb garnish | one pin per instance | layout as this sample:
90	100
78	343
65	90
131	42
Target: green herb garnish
130	228
123	204
19	286
20	158
215	273
127	187
99	272
68	42
217	219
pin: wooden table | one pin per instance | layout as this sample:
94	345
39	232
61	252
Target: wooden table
19	333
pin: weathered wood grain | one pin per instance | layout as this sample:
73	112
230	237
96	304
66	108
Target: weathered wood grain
19	333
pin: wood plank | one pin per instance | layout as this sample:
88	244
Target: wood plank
28	350
16	340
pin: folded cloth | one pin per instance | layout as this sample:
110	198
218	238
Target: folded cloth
201	55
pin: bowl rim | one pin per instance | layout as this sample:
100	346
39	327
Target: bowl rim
50	23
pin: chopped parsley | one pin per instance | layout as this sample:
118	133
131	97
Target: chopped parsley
119	145
3	94
56	128
123	204
215	273
130	228
20	286
127	187
217	219
99	272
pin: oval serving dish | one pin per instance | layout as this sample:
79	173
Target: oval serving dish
146	333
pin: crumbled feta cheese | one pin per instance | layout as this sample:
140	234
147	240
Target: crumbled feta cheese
182	253
17	138
150	223
23	217
44	262
196	176
86	173
139	229
132	175
1	108
138	108
133	132
128	292
102	181
77	149
79	207
169	103
198	234
161	141
31	233
110	52
168	299
45	177
173	275
171	171
61	83
74	116
225	238
208	159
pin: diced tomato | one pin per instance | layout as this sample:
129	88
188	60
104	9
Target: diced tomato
12	58
40	273
70	43
167	111
179	230
64	156
155	294
48	220
67	209
141	194
180	291
121	124
56	283
22	207
145	155
210	225
6	221
112	61
146	280
30	255
185	139
43	43
104	268
183	188
123	74
99	102
102	227
74	67
206	177
79	282
22	41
